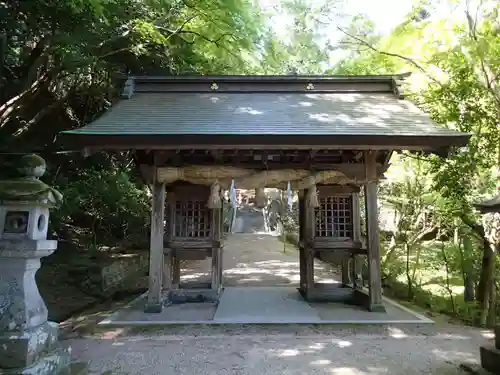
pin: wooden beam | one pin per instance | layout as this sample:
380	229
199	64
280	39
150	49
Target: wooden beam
278	159
372	229
155	301
252	145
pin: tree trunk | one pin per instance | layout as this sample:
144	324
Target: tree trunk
467	269
408	274
487	286
387	258
485	278
492	309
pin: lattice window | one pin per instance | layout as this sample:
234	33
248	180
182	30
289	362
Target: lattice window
192	219
334	217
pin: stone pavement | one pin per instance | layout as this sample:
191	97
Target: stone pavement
249	220
253	256
255	259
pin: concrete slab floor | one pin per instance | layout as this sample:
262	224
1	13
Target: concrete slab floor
263	305
186	312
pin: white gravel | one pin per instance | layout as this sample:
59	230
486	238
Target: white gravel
287	350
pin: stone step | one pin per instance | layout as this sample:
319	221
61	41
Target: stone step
490	359
193	295
497	336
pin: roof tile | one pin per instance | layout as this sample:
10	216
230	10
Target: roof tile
263	113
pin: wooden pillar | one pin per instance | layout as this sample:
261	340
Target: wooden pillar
309	234
344	265
372	231
302	262
357	260
155	301
221	249
216	239
171	266
176	272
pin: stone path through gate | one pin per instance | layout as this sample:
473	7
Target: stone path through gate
253	256
252	259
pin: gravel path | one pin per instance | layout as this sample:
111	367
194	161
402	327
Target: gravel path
290	350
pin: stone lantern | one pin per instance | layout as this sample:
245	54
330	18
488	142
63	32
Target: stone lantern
28	342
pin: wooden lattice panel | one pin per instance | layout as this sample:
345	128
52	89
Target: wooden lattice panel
192	219
334	217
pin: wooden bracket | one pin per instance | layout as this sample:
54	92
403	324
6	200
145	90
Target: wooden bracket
398	88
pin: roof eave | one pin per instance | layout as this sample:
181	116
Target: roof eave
436	144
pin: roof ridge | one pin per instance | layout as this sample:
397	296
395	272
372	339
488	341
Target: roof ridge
258	84
263	78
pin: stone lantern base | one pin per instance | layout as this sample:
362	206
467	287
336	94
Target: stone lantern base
490	355
34	352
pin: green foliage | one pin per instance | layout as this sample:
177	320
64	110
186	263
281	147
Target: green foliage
107	202
455	61
59	58
304	48
58	64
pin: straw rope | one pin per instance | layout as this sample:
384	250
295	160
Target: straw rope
206	175
220	177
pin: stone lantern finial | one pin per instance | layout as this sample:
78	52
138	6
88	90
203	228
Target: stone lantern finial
28	187
32	166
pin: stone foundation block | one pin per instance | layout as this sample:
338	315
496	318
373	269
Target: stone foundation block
192	295
19	350
490	359
55	363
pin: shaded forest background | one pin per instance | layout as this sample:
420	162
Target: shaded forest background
59	63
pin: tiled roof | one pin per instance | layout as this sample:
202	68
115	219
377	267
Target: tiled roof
264	113
339	106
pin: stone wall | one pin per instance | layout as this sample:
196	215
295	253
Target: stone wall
122	268
111	273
